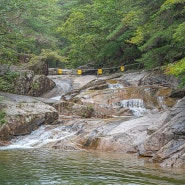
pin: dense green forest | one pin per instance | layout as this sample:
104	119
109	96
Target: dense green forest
100	33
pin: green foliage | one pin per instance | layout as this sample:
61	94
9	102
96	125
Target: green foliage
138	36
7	81
103	33
170	4
87	111
35	85
49	56
27	27
98	32
2	117
162	41
179	34
177	69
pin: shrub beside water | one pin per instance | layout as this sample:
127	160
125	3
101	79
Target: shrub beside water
2	117
7	81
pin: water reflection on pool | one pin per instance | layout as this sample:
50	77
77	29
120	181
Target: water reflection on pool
45	167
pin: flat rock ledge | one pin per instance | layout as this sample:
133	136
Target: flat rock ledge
23	115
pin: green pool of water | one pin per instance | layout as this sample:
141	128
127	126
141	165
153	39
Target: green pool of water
45	167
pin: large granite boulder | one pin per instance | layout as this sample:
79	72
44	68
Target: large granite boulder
167	144
23	115
40	85
157	77
27	83
23	82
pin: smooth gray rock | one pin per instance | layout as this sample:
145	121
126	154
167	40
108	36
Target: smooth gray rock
168	142
24	114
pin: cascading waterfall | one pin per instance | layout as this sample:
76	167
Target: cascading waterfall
62	86
57	98
46	134
160	100
135	105
115	86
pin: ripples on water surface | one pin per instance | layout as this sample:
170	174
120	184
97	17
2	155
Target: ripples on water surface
45	167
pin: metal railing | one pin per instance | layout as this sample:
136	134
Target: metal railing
92	71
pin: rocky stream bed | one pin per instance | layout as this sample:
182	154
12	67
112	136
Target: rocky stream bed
135	112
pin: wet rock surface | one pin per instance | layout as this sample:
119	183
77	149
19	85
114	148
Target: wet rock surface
129	112
117	94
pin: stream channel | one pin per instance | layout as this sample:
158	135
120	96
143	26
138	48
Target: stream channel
24	164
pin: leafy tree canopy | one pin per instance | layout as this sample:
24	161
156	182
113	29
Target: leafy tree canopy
100	32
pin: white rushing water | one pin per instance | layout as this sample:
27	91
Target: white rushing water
57	98
115	86
39	138
63	85
135	105
161	102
